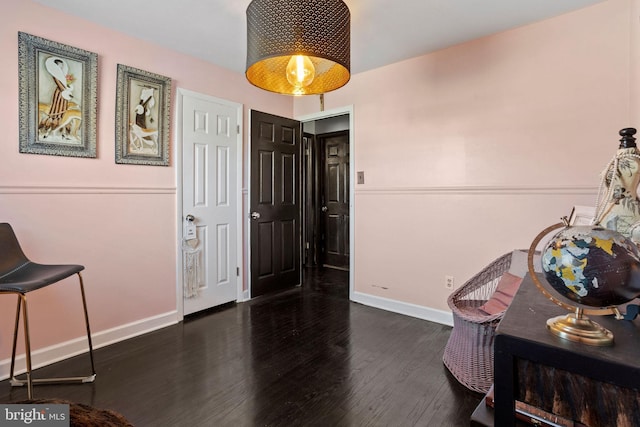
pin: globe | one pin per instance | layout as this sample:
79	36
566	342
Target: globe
593	266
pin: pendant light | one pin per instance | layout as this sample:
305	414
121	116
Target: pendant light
298	47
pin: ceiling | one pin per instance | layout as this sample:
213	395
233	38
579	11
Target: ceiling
382	31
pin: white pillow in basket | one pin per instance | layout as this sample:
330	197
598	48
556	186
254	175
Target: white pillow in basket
519	264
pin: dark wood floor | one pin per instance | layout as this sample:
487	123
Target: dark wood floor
304	357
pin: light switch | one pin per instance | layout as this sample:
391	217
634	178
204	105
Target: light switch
360	177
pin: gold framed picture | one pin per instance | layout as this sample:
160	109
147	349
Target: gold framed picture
57	92
142	117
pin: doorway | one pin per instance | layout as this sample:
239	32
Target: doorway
328	206
314	121
274	219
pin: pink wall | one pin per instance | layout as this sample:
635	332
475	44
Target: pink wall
117	220
470	151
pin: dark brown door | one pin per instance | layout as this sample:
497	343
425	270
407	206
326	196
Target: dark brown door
310	184
274	203
335	206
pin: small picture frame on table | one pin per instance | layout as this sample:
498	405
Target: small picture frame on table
142	117
582	215
57	87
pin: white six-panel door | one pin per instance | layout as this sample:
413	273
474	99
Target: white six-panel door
210	192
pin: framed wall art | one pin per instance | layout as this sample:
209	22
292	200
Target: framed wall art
142	117
57	98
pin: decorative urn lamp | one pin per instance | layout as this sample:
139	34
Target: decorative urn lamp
618	205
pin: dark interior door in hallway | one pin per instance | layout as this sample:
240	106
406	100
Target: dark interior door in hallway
335	206
274	203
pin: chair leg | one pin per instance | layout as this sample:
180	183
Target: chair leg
86	320
27	346
22	301
15	338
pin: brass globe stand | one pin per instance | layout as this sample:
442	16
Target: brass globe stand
579	328
575	326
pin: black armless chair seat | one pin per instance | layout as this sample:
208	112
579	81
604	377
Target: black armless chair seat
19	276
31	276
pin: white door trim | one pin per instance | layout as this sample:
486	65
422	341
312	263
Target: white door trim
181	94
341	111
246	224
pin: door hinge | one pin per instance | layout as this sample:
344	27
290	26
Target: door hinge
238	129
238	271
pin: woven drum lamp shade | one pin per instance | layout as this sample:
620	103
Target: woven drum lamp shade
278	30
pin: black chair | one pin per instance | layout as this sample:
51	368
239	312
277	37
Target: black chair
20	276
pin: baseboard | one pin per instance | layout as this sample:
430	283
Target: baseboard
408	309
55	353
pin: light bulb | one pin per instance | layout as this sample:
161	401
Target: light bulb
300	71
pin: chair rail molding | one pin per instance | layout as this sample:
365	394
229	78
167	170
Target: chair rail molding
48	189
479	190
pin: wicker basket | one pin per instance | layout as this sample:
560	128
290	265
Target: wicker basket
469	351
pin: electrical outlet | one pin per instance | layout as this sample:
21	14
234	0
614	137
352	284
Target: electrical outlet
448	282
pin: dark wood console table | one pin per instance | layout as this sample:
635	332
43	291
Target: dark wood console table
588	384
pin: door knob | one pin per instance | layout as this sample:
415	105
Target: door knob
324	209
255	215
190	218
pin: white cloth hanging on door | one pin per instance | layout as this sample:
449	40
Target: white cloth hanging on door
191	267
